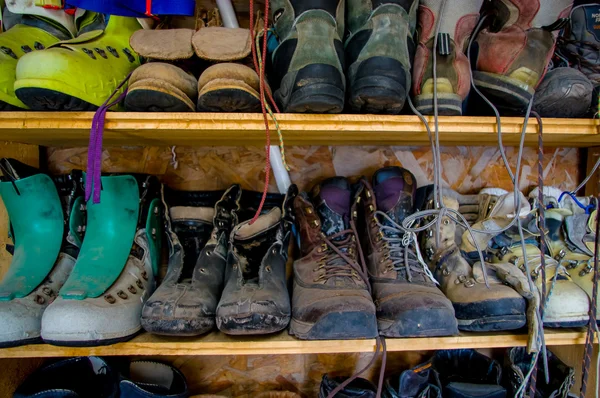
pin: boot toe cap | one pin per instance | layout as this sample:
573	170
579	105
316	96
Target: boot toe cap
20	322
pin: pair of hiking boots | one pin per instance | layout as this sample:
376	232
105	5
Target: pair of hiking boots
80	271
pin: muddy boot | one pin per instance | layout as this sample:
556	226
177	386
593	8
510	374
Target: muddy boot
331	298
513	51
255	299
47	228
379	53
358	388
409	304
477	307
517	363
308	63
198	228
420	382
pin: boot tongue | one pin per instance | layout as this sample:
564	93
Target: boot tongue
332	202
395	192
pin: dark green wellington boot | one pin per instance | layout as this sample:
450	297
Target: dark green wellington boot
46	226
308	63
379	53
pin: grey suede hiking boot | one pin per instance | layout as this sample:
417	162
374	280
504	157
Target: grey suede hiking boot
331	298
379	53
198	228
308	64
409	304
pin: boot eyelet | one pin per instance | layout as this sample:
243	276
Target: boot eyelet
113	51
110	299
274	251
368	193
89	53
39	299
469	283
371	208
101	52
129	55
268	269
38	46
446	221
209	253
47	291
26	49
122	295
145	275
445	272
202	271
308	210
139	284
315	224
9	52
132	290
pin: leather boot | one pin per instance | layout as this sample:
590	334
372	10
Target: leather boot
458	19
358	388
409	304
379	52
308	63
421	381
331	298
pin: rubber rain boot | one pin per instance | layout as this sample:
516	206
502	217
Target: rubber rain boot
513	51
409	304
255	298
379	51
25	28
308	63
456	19
198	228
46	225
145	379
101	302
79	74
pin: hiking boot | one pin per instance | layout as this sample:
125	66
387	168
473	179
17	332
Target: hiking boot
332	296
518	362
255	299
47	227
308	63
458	19
477	307
564	92
198	228
421	381
514	50
150	379
379	53
101	302
25	28
409	304
358	388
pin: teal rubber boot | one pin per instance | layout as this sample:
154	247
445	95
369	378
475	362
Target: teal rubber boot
101	302
45	246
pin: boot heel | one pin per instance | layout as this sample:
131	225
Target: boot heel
504	91
448	104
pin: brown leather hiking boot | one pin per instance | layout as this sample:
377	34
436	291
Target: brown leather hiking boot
331	298
409	304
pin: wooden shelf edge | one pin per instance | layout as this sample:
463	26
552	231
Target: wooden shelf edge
218	344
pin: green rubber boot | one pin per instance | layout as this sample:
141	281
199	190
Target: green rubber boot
79	74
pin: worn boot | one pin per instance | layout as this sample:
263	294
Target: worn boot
308	63
332	296
477	307
47	228
150	379
358	388
517	363
563	92
198	228
514	50
255	299
409	304
421	381
379	53
456	20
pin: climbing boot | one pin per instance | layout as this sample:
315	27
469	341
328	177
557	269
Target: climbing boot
101	302
409	304
563	92
198	228
46	226
358	388
145	379
255	298
420	382
332	295
456	19
477	307
308	63
518	362
79	74
379	52
514	49
24	28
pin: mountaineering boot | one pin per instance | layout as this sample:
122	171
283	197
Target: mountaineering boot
150	379
467	373
421	381
563	92
79	74
457	20
358	388
24	28
255	298
379	53
408	302
517	364
308	63
198	228
477	307
46	227
101	302
332	295
514	49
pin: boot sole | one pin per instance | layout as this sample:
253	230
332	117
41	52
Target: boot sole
152	99
41	99
420	323
448	104
251	324
91	343
570	322
488	324
504	92
18	343
179	327
5	107
337	326
228	99
377	94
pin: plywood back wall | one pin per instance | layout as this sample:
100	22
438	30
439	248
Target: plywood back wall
465	169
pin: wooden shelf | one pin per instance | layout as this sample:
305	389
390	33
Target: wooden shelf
247	129
219	344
